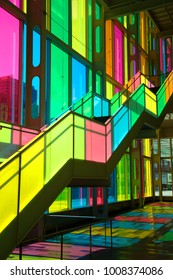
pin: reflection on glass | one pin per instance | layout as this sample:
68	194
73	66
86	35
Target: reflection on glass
35	97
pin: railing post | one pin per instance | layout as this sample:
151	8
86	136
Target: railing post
61	247
90	239
111	231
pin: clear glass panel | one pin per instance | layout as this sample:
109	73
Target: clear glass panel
155	146
165	147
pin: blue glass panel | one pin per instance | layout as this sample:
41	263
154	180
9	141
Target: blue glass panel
35	97
78	80
105	108
36	44
97	107
120	127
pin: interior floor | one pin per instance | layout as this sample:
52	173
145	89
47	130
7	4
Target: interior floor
142	234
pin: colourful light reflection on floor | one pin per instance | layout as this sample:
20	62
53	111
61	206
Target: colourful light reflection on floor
148	225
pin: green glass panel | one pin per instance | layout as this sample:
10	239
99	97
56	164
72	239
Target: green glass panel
98	84
58	82
98	39
60	19
97	11
90	30
62	202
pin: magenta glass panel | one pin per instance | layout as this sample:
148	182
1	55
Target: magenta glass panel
118	54
95	142
17	3
9	67
161	56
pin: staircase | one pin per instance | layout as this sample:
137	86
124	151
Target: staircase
74	150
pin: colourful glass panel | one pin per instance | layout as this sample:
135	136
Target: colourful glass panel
59	137
60	19
98	84
61	202
95	142
17	3
109	48
118	54
79	26
23	99
80	197
147	178
58	82
123	178
79	137
36	46
9	68
100	196
9	177
78	80
32	165
35	108
109	90
98	39
150	101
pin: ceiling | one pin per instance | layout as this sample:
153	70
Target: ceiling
161	12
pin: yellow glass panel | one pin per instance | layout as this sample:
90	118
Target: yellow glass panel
79	26
59	146
109	90
5	133
79	138
150	101
109	46
32	172
62	202
146	147
48	15
8	192
148	178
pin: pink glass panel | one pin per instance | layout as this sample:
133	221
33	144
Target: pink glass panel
9	67
109	140
22	135
17	3
118	51
100	196
161	56
95	142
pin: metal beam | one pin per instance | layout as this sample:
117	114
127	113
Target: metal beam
125	7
